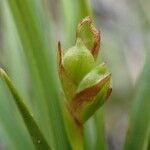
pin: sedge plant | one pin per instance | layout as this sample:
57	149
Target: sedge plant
59	121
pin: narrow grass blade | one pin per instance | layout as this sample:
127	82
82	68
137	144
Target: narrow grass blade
90	133
11	121
138	130
100	128
34	131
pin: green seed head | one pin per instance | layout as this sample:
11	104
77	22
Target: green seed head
86	86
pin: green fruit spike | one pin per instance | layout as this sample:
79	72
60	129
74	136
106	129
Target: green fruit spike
78	60
92	92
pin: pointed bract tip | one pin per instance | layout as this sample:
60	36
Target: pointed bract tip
2	72
59	44
108	93
59	53
108	77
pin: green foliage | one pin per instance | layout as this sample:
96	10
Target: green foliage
36	135
139	125
29	56
42	70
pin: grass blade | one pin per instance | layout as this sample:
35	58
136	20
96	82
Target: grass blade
11	121
100	128
138	132
35	133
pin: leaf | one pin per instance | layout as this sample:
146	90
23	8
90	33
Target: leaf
138	134
33	129
100	126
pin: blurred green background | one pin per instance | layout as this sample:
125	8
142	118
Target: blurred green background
125	38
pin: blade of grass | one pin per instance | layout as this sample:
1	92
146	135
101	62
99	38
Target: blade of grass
90	134
138	135
35	133
3	139
95	137
138	132
41	66
10	123
100	128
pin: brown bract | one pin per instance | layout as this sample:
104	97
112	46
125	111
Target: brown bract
88	94
96	34
60	57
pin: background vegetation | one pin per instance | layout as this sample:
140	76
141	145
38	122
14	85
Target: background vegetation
29	31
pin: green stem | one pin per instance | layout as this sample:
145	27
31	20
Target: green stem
33	129
100	128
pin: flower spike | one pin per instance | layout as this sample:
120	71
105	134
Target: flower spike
86	85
